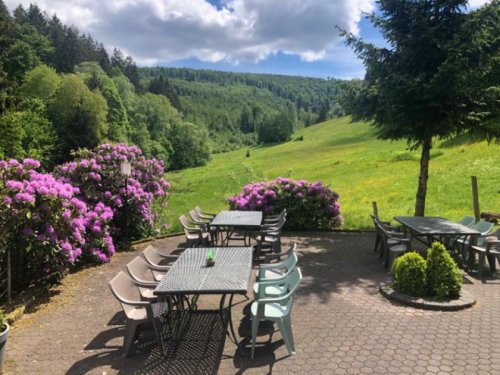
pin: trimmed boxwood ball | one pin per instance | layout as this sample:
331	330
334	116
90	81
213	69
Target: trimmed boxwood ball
444	279
409	273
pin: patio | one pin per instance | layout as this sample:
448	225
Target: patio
341	325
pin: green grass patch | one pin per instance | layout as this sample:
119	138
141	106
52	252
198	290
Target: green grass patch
352	161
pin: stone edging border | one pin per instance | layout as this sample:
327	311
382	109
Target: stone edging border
465	300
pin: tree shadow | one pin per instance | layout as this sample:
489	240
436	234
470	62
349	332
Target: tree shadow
265	348
331	261
198	351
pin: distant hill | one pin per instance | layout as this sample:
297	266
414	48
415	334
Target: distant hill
232	106
361	168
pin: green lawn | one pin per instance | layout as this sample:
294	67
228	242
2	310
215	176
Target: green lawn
347	157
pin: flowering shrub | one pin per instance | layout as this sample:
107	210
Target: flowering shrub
309	205
45	226
97	174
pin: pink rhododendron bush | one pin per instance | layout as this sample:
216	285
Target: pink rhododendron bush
310	206
74	216
45	226
97	175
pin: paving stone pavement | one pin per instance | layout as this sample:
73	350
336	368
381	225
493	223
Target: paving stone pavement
341	325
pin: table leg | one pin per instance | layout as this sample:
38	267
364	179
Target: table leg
230	332
492	262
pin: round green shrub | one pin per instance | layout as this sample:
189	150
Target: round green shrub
444	279
409	273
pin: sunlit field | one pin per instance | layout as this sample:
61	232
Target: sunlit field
348	157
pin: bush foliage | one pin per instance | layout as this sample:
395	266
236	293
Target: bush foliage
310	206
97	174
438	276
46	226
51	222
444	279
409	273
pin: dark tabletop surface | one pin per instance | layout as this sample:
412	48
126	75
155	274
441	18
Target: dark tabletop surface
238	219
431	225
190	275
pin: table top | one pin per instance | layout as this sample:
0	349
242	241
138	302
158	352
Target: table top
238	219
436	226
190	275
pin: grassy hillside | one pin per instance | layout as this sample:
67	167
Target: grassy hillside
362	169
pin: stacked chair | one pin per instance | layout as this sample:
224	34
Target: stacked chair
134	287
269	237
196	234
197	228
392	242
204	223
274	292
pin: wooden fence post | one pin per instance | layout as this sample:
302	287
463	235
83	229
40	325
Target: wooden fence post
475	198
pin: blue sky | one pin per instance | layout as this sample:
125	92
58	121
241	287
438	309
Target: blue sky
295	37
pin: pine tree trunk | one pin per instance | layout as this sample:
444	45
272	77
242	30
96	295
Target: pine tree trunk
422	178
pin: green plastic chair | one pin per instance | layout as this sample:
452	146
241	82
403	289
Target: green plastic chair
463	243
277	309
447	240
467	221
273	262
277	272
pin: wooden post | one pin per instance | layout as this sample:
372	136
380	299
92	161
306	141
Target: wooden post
475	198
375	209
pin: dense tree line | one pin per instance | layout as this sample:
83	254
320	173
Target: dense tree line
60	91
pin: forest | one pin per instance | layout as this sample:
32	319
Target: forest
60	90
241	109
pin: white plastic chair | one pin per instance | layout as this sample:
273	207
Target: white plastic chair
277	309
276	273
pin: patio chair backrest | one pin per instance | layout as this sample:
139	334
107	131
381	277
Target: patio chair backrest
195	216
276	227
286	265
152	255
467	221
184	221
202	213
483	227
125	291
290	262
292	284
282	214
379	228
189	231
139	269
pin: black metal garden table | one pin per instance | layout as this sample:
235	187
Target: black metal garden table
430	228
190	276
247	221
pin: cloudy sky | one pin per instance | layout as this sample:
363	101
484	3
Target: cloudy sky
266	36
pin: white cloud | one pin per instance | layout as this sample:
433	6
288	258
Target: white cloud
477	3
238	30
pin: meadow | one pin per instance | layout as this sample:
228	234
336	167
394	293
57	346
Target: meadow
349	158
